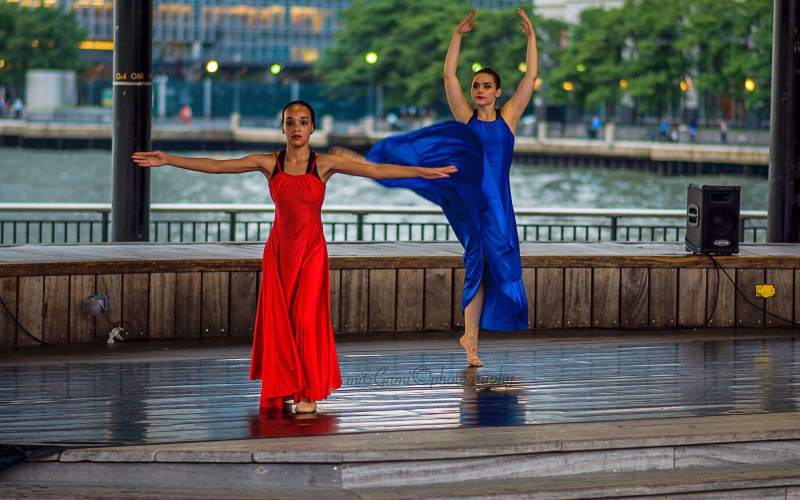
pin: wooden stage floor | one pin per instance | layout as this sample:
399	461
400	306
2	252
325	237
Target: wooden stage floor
150	392
133	257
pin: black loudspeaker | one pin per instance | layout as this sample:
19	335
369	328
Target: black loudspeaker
712	219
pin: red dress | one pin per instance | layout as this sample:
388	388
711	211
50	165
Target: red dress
293	349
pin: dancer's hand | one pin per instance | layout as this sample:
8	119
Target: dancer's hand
436	172
466	25
149	158
526	24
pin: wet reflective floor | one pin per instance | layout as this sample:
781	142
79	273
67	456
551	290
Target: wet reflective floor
209	397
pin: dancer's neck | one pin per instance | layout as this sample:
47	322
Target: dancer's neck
486	113
297	154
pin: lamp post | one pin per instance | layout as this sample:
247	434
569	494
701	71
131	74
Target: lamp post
212	67
371	58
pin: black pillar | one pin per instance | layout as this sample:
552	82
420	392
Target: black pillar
783	225
133	67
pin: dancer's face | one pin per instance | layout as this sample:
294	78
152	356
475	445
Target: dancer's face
297	126
484	90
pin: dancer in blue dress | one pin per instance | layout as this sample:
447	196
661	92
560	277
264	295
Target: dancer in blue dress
481	214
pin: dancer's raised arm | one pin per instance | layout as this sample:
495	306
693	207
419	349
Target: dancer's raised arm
455	96
513	109
330	164
250	163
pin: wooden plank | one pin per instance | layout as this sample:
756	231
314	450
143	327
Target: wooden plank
692	284
663	301
410	299
382	286
81	323
781	305
214	311
633	297
8	328
750	312
135	297
577	297
188	297
162	305
605	297
55	314
354	285
244	300
32	260
30	302
109	285
458	294
721	302
550	292
529	282
438	292
336	299
797	297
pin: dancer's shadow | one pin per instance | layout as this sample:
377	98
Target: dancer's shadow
282	423
491	400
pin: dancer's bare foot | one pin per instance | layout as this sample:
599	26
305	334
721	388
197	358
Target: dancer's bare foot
305	406
470	346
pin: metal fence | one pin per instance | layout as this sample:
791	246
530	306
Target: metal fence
23	223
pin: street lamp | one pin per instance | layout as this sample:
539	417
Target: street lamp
371	58
750	85
275	69
212	67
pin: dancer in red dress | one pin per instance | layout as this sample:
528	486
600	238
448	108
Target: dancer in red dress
293	349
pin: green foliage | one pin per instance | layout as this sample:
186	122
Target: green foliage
411	39
654	44
38	38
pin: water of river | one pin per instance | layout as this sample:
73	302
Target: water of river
84	176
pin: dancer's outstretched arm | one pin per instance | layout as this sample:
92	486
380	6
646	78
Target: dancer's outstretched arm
251	163
455	96
329	164
513	109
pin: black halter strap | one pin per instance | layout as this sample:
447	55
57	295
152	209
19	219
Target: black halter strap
311	166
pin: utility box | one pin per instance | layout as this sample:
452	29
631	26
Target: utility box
50	88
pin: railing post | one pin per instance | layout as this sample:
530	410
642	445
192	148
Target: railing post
741	229
232	222
613	229
360	226
104	219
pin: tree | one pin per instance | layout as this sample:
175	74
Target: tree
593	62
411	39
656	63
37	38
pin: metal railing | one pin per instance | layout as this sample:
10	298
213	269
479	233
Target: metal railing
23	223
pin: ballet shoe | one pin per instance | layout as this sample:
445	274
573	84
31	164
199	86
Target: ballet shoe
305	407
471	350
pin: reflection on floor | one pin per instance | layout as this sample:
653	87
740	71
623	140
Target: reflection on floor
152	400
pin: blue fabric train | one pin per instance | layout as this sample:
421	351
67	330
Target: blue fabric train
476	202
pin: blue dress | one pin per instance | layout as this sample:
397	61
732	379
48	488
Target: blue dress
476	202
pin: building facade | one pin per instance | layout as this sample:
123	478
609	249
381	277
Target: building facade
569	10
233	32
